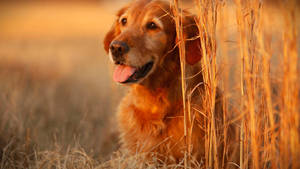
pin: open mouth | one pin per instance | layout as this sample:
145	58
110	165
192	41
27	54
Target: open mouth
127	74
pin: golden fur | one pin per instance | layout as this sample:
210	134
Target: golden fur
150	116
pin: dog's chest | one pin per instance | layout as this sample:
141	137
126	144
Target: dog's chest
143	118
152	123
144	110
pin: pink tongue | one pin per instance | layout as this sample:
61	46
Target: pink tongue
122	73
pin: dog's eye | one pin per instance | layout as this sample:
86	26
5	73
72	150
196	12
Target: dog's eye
124	21
151	26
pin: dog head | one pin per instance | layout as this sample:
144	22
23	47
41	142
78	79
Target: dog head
142	35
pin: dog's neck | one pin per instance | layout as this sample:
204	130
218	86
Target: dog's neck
156	100
166	77
161	90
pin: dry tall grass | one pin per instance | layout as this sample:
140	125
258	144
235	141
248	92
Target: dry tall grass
267	114
250	50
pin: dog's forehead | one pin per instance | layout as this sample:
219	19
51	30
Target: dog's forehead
145	8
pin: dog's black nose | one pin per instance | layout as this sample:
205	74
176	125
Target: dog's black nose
118	48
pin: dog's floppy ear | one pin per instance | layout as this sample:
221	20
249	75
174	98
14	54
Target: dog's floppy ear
192	40
114	30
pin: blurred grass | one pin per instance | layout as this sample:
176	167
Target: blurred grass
55	85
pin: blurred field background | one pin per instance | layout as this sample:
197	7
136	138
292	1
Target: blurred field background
57	99
55	86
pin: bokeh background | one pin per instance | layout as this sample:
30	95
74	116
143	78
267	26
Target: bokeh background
55	85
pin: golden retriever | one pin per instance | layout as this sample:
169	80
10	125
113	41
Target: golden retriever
141	44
